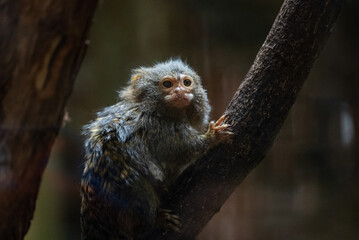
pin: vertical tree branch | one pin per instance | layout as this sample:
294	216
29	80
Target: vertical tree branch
256	113
42	46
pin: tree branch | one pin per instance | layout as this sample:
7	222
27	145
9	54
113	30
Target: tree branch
42	46
256	112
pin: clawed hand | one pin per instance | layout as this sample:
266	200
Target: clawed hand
219	130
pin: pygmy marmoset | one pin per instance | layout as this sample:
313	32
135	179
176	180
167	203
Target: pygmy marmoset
136	148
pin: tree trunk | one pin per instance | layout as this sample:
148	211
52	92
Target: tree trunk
42	44
256	113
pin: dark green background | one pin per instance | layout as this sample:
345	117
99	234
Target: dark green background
306	188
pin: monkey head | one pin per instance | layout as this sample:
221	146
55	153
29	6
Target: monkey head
172	88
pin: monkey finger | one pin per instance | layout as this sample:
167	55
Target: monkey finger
227	135
222	127
174	228
221	119
172	218
176	222
165	210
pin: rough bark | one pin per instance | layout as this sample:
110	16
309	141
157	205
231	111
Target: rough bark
42	44
256	113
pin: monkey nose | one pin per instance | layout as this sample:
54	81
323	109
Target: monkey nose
179	89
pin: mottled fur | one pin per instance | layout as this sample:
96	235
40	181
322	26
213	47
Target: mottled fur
135	149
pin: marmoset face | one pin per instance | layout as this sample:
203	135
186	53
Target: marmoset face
177	90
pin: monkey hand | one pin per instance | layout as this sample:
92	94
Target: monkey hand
168	220
220	131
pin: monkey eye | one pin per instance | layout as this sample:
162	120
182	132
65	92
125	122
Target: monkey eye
167	84
187	82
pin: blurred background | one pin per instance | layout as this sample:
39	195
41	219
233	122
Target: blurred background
306	187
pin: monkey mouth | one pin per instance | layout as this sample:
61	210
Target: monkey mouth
179	100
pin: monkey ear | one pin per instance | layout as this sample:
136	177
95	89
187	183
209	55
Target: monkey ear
136	77
137	74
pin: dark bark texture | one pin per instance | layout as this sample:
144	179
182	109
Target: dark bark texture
42	44
256	113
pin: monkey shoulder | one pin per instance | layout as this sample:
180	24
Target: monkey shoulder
114	122
106	156
116	143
